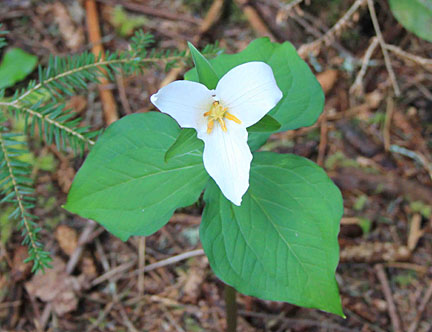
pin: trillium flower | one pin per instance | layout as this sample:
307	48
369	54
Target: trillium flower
241	98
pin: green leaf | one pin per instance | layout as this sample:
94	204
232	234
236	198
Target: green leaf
266	124
281	243
303	98
186	143
415	16
15	66
205	71
125	183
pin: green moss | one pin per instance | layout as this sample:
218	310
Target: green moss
360	202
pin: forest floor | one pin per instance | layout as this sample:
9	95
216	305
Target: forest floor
374	141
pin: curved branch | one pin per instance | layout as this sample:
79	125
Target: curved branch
46	118
90	66
19	200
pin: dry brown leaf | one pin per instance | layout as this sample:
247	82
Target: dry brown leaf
65	175
194	279
77	104
327	79
88	267
20	270
55	286
67	238
374	99
72	36
415	232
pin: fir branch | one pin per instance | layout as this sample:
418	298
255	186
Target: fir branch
91	66
15	186
64	76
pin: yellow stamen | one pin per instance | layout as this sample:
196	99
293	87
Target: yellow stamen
218	113
210	125
222	124
231	117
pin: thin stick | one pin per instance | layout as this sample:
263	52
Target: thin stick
141	264
415	58
255	19
417	156
285	11
230	308
83	239
358	83
122	93
317	33
171	260
94	34
121	268
329	35
387	123
389	298
212	16
408	266
113	272
151	11
171	318
421	309
383	47
323	139
295	322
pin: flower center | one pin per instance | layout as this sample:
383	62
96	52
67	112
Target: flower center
219	113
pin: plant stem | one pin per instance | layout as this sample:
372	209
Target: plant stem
230	308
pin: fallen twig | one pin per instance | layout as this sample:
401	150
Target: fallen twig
421	309
330	34
171	260
323	139
418	157
358	85
124	267
294	322
151	11
83	239
141	264
383	48
255	19
94	34
387	123
415	58
389	298
285	11
212	16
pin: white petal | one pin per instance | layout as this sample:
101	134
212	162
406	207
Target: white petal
186	102
249	91
227	159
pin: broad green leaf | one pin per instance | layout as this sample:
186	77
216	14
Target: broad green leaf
303	98
266	124
206	73
125	183
186	143
281	243
15	66
414	15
